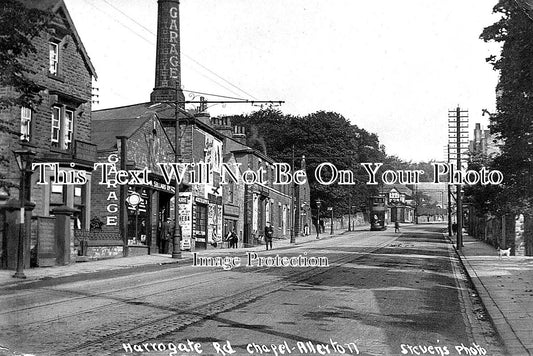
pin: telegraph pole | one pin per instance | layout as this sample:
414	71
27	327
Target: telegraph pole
459	120
449	189
292	240
176	238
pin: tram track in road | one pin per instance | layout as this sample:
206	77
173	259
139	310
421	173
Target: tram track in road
181	319
80	296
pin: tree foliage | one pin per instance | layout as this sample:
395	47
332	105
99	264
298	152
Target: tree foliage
324	137
513	121
18	26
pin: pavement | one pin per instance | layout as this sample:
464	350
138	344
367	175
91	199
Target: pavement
505	287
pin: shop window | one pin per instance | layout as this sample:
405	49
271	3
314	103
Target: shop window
201	220
25	123
62	127
137	204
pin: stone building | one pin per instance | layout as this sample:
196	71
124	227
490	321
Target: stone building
263	201
484	143
58	129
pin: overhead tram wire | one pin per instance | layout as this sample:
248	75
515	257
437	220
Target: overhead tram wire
217	95
119	22
153	43
184	54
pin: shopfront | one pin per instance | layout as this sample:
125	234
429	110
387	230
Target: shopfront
231	217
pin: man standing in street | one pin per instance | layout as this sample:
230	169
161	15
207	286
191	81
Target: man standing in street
269	234
166	235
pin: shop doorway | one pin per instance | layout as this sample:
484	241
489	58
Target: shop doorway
200	226
163	213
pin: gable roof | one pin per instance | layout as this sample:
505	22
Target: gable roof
399	187
105	130
125	121
59	7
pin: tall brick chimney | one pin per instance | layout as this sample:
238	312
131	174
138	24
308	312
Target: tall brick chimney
168	54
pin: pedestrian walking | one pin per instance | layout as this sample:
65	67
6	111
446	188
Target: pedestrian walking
269	234
233	239
396	226
454	228
166	236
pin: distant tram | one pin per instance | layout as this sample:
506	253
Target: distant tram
378	210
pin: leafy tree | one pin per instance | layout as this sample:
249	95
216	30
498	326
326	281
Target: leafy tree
513	121
19	25
325	137
321	137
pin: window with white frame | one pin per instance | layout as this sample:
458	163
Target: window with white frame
62	127
68	128
25	123
267	210
54	58
231	191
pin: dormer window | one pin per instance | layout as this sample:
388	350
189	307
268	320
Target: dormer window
54	58
25	123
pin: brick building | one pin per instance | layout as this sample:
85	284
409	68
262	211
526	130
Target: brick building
58	130
131	139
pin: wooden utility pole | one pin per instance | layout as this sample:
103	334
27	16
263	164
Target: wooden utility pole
458	120
176	236
291	207
449	189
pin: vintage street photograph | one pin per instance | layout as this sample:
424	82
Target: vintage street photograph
266	177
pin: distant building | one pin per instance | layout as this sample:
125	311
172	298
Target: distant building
483	143
398	200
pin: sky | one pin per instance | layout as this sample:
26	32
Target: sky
392	67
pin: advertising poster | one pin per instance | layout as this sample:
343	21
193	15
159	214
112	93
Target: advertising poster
266	177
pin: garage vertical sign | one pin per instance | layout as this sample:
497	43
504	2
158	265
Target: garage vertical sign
168	55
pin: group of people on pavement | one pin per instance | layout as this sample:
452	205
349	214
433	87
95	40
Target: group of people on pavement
232	239
167	233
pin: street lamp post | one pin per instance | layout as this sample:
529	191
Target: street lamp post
349	212
24	159
354	209
331	228
318	204
349	218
